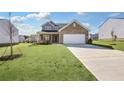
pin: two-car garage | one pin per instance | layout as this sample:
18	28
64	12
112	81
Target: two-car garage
74	38
73	33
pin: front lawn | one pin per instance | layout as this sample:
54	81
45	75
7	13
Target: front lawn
119	45
44	62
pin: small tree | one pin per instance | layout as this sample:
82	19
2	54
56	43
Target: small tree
114	37
112	34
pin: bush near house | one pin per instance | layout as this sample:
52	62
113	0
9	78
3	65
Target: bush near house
90	41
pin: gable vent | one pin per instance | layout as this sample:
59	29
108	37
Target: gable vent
74	24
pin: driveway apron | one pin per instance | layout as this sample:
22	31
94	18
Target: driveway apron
105	64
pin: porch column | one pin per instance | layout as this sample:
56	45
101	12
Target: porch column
43	37
50	38
38	38
59	39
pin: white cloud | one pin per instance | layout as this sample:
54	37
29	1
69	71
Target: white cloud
18	19
86	24
114	14
81	13
35	16
38	16
27	29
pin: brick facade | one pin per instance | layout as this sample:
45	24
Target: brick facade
73	28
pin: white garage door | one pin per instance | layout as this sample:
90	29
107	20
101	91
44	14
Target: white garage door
73	38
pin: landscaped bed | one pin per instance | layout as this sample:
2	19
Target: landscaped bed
43	62
119	45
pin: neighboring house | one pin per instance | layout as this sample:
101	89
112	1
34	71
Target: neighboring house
112	25
21	38
73	33
94	36
28	39
5	32
33	38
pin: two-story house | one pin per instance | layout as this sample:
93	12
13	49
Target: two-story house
73	32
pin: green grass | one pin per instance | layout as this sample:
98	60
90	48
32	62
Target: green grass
119	45
44	62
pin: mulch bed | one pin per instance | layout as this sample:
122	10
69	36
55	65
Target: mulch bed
10	57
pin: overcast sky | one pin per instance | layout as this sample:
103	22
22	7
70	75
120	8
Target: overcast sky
30	23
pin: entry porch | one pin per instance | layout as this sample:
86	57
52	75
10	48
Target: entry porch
51	37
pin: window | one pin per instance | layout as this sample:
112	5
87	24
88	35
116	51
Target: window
46	37
54	28
47	27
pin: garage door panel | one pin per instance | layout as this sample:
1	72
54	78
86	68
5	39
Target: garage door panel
73	38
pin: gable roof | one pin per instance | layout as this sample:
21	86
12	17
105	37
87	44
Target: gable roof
49	22
7	23
62	26
109	19
55	24
73	22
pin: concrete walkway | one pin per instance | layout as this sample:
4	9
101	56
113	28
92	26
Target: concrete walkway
105	64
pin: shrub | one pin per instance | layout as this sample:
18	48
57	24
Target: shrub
90	41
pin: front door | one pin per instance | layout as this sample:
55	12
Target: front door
55	38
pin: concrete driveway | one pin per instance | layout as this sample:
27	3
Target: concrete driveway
105	64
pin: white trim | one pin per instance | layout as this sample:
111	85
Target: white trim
71	23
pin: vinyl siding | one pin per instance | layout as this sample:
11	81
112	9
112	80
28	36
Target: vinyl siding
116	25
